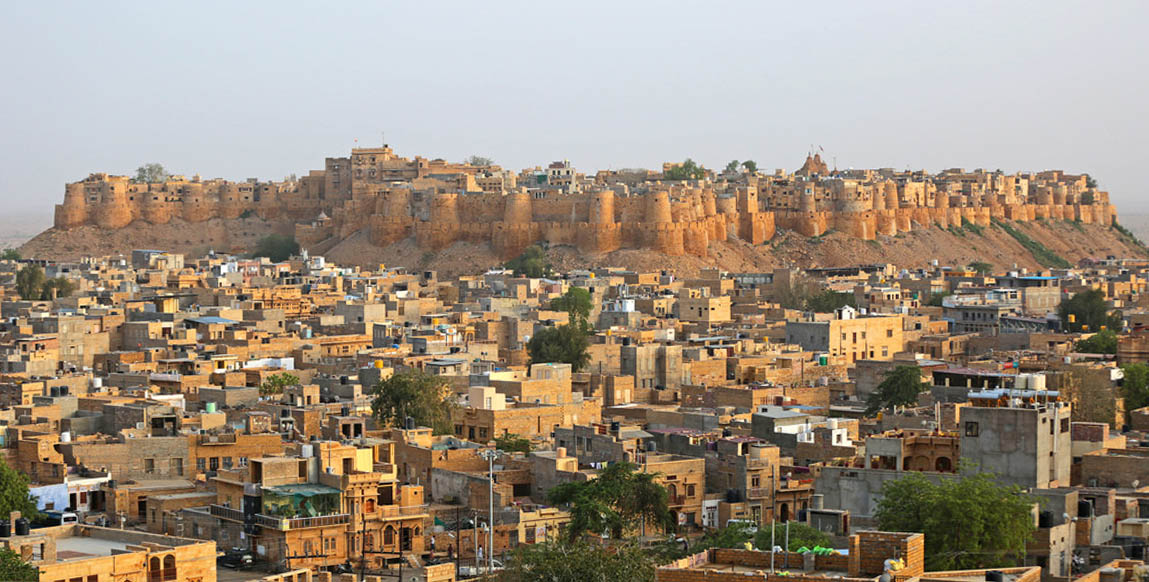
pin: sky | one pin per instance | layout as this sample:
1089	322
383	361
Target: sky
266	89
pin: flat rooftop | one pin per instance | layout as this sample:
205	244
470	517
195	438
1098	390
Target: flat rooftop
78	548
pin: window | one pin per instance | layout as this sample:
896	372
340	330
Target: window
201	464
1065	425
149	466
971	429
177	466
889	333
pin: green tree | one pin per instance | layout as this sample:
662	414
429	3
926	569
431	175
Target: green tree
532	263
60	286
1090	312
151	174
576	302
425	398
14	495
277	247
750	166
829	300
1135	386
732	167
10	255
981	268
687	170
275	383
578	561
935	299
734	535
30	282
619	500
969	522
564	343
513	443
479	161
801	536
1090	182
14	569
901	387
1102	342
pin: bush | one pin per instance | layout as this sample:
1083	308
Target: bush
277	247
532	263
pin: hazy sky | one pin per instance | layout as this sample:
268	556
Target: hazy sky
247	89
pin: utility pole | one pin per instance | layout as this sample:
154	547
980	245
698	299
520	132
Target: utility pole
490	455
457	548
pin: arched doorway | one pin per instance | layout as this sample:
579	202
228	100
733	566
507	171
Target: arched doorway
784	513
944	465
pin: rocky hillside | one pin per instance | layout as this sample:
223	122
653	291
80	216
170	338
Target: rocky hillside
1032	245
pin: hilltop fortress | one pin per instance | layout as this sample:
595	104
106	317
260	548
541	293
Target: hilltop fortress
439	203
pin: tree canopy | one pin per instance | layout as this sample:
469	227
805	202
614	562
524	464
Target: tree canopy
479	161
901	387
513	443
829	300
615	502
14	495
578	561
533	263
1089	311
564	343
277	247
750	166
801	536
969	522
576	301
981	268
275	383
687	170
10	255
151	174
15	569
30	282
425	398
1102	342
1135	386
732	166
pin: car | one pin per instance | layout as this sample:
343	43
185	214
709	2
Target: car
236	559
472	571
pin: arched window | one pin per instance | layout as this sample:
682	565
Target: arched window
944	465
784	513
369	542
169	567
155	570
389	536
369	506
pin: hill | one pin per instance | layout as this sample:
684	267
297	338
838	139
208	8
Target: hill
1033	245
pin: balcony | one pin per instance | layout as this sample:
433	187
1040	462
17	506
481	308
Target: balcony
757	492
282	523
393	511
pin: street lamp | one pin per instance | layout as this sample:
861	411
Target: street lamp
490	455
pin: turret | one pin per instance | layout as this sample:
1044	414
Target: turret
517	209
74	211
658	208
114	211
602	207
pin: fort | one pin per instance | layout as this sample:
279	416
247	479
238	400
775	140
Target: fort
438	203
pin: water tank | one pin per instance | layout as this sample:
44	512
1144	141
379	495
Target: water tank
816	501
5	529
1037	382
614	426
97	382
994	576
1022	382
22	526
66	437
305	451
209	407
410	423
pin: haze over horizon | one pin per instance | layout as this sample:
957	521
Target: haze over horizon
274	88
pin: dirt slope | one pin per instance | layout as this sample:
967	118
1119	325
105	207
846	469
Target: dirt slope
1068	240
